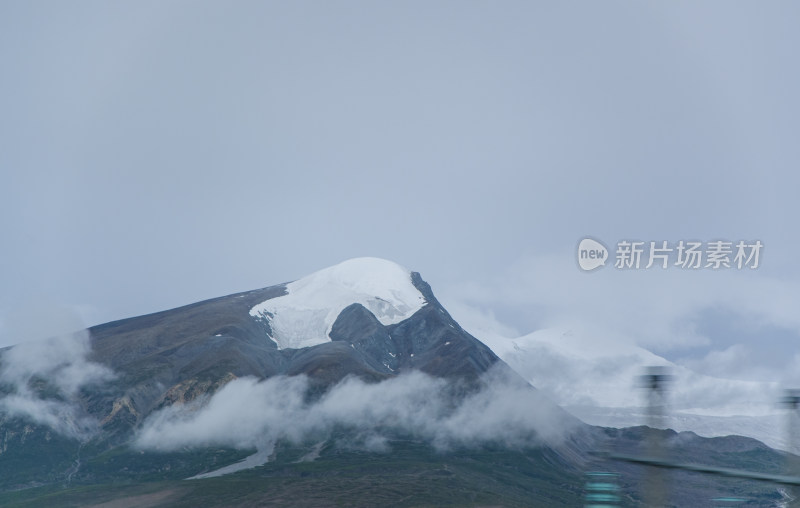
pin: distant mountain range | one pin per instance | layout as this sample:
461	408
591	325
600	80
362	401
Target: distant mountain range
596	381
352	386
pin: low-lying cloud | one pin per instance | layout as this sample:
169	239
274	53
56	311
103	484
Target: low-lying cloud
41	377
248	413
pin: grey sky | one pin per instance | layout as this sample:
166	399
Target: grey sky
158	153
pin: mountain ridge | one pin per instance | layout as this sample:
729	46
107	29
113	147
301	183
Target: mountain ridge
191	351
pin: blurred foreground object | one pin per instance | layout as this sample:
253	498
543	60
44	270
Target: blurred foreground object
655	381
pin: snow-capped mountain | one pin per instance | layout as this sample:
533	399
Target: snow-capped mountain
304	316
596	380
365	317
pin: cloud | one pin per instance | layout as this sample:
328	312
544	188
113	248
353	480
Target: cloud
729	337
649	302
719	362
41	377
666	311
581	368
250	413
61	361
479	321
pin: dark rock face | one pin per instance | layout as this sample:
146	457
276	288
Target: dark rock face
156	353
358	326
430	340
433	343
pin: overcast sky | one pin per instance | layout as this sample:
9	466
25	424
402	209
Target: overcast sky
154	154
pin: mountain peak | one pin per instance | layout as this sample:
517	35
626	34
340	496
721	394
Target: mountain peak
304	316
